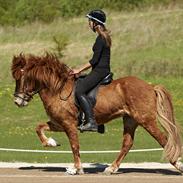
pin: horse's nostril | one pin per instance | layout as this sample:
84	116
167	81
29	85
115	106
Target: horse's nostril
16	103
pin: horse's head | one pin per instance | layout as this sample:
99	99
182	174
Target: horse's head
34	73
24	89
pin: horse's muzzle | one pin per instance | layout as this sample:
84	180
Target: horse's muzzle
20	100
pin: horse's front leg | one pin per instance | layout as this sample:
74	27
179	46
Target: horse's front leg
71	131
49	126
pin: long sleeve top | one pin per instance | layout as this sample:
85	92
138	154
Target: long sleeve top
101	55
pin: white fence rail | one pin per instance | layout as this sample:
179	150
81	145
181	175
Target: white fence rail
82	152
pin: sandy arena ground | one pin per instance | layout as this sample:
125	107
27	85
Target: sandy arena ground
53	173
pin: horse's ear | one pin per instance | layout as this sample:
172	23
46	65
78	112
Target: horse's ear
14	67
14	61
21	54
14	57
18	63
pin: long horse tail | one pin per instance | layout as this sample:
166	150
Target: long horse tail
173	147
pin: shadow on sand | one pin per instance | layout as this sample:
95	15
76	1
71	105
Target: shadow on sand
99	168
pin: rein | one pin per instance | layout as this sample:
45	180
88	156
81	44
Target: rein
66	97
64	82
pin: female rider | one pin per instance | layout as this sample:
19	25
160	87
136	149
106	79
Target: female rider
100	64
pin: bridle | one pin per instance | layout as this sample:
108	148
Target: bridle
26	96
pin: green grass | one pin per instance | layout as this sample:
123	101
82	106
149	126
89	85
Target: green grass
146	44
17	130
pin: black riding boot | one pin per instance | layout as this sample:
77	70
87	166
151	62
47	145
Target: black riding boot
87	109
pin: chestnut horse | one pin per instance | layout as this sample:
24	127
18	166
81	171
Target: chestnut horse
139	103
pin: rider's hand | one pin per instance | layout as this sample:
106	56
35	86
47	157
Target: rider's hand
75	72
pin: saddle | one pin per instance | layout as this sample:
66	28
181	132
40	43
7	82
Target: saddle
92	98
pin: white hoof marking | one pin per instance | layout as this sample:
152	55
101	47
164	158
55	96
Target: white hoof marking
51	142
179	166
74	171
110	170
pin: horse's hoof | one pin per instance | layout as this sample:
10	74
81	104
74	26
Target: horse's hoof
110	170
179	166
107	171
52	143
74	171
80	171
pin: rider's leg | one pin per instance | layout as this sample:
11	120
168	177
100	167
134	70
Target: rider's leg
87	109
83	87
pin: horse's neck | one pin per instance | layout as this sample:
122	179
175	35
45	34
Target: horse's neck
47	96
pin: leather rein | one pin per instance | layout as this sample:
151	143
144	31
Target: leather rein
29	95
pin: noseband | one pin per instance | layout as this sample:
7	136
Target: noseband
27	96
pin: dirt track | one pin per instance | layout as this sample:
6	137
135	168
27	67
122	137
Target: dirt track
56	174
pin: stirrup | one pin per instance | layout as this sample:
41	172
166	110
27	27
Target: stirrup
88	127
80	127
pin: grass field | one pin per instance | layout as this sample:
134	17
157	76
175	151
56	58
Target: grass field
146	44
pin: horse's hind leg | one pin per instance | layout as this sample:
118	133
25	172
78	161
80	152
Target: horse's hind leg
154	131
49	126
130	126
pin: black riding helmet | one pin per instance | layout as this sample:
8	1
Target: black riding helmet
98	16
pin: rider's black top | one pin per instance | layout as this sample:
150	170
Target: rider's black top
101	57
100	68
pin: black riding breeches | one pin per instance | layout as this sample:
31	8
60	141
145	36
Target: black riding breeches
89	82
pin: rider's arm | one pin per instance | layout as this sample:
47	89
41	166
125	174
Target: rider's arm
82	68
97	48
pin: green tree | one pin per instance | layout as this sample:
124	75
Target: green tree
44	10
